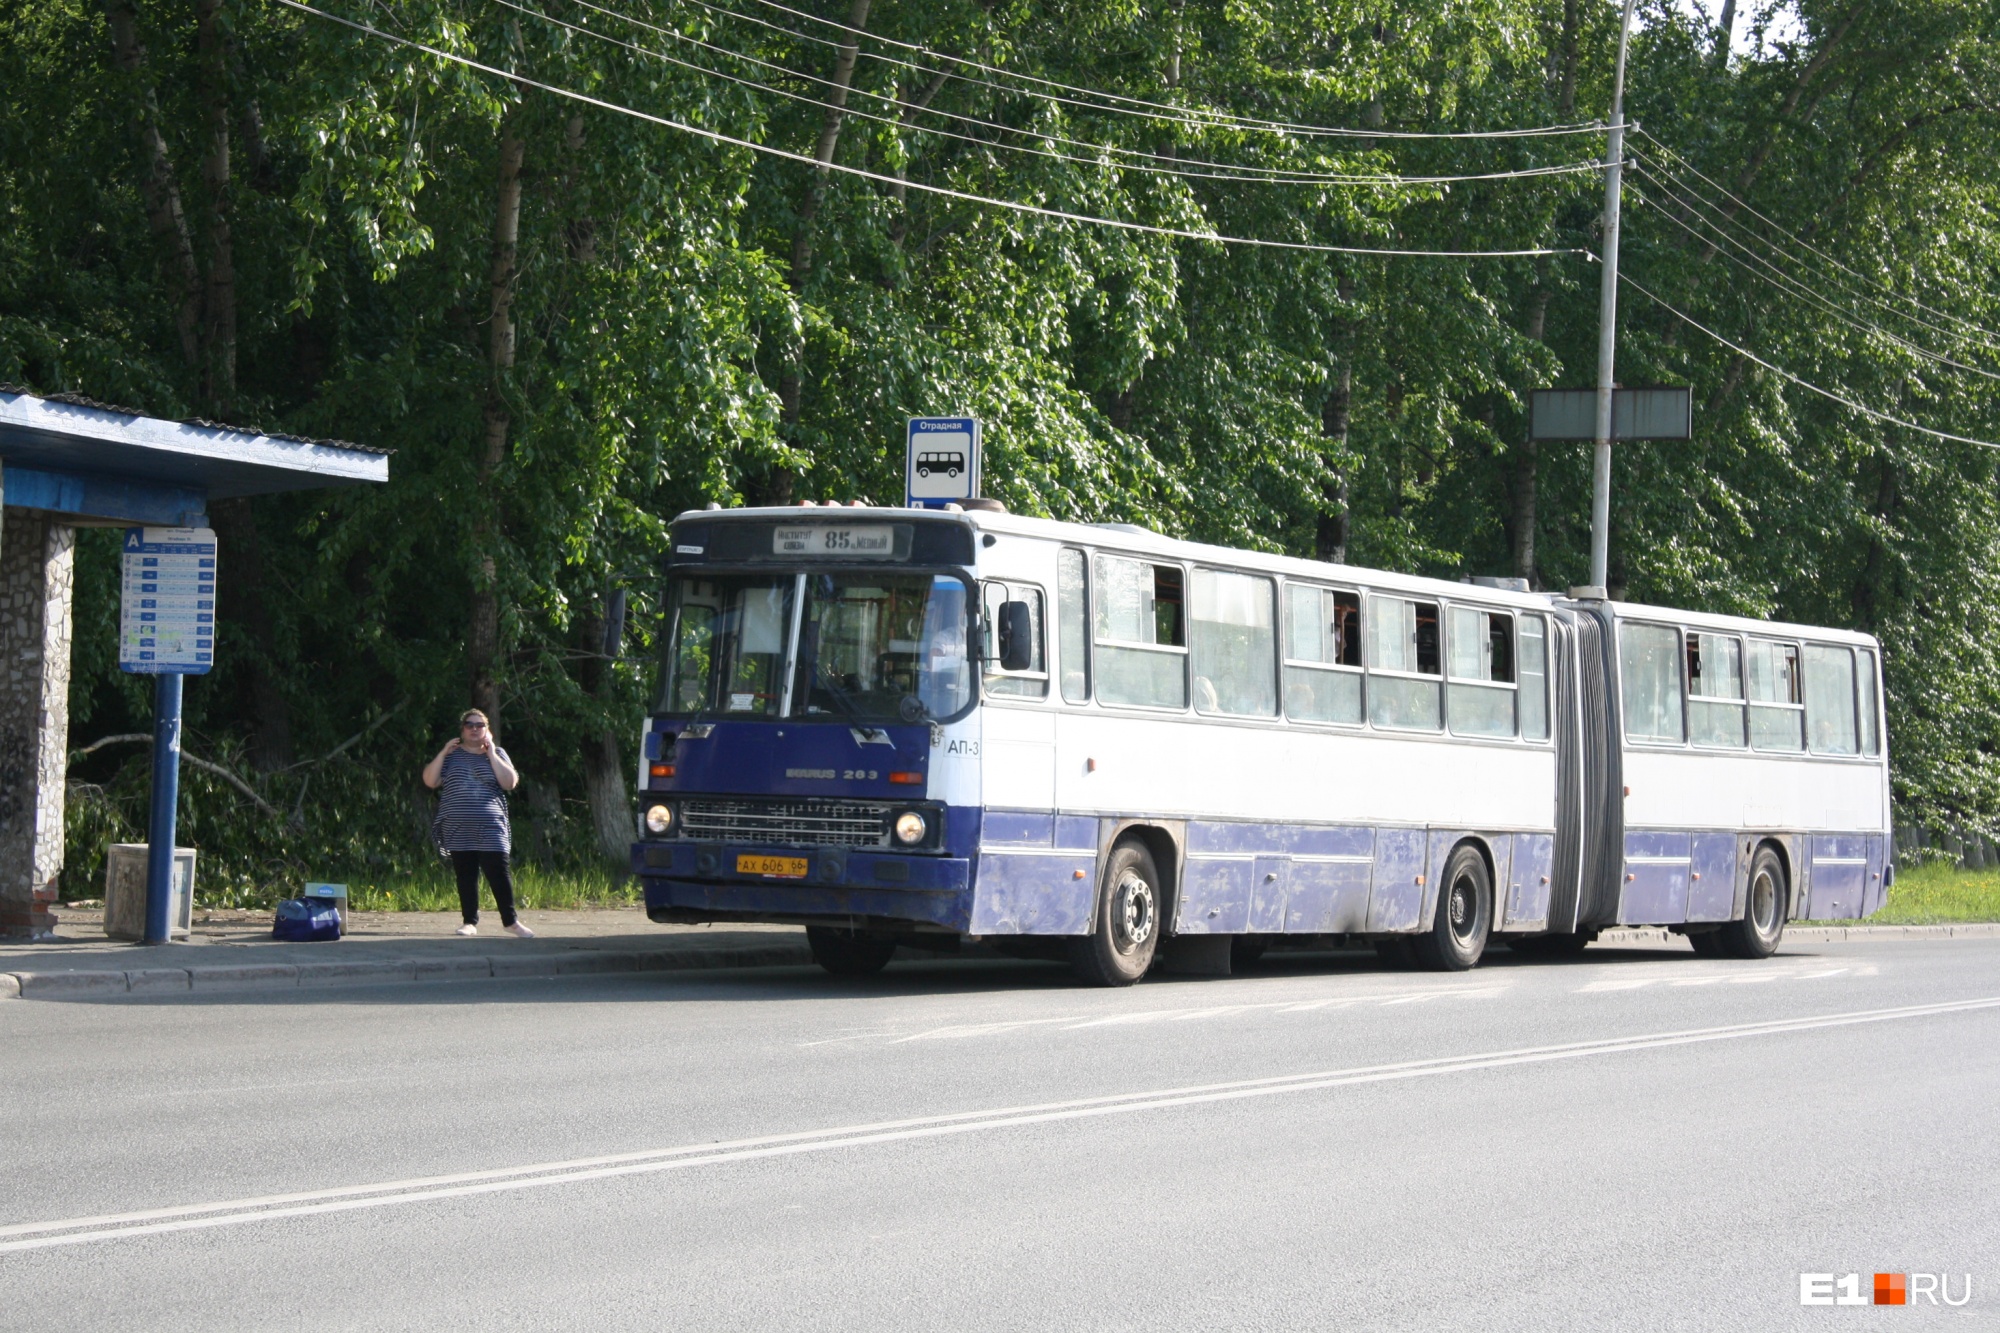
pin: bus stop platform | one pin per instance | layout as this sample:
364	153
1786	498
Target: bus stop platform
234	951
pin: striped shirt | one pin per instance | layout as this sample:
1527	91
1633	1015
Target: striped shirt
472	804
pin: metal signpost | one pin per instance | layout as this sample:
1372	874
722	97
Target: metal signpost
1636	414
942	466
166	629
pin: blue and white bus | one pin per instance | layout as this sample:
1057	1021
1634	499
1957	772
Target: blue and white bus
906	726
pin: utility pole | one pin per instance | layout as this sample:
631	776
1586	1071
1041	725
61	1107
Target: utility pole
1607	322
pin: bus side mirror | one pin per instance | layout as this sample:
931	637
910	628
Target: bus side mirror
1017	637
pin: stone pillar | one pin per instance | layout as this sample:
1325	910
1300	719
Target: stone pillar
37	563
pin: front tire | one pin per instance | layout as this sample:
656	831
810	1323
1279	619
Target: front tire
1126	931
847	954
1457	936
1762	926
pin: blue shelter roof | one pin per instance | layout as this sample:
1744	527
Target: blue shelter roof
94	460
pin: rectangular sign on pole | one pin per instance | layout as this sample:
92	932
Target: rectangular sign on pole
166	613
943	461
1636	414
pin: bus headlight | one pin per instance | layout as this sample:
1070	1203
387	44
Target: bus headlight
659	820
911	828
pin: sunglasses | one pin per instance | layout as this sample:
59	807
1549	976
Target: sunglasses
472	726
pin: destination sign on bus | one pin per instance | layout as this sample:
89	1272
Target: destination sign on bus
851	539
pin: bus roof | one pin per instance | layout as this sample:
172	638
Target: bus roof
1128	538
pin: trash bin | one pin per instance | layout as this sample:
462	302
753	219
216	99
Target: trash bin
125	892
333	893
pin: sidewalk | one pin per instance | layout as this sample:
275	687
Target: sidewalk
235	951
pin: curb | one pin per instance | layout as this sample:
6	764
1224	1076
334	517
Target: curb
1825	934
88	985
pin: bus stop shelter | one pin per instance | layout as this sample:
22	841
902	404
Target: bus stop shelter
65	463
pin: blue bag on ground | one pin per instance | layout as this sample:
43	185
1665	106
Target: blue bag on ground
305	919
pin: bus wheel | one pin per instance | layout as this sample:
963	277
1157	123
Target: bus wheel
1121	944
1464	916
1763	923
846	954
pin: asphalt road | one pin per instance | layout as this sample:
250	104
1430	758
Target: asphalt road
1639	1139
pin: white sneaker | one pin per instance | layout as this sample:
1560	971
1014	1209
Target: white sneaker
520	932
468	929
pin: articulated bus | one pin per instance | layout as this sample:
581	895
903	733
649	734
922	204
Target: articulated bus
908	726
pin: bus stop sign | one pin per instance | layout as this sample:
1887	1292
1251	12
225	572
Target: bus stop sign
166	622
943	461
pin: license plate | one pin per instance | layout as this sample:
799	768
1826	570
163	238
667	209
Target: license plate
789	867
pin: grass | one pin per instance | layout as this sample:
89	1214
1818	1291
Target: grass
1940	892
536	888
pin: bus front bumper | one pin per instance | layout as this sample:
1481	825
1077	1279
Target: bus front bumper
683	878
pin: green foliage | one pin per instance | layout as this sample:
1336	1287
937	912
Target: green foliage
696	323
1938	892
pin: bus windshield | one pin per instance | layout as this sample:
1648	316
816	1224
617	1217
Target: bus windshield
871	646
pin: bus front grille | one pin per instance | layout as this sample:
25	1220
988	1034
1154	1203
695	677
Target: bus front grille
805	823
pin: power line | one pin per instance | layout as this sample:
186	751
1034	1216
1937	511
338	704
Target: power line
1225	171
716	136
1791	286
1780	228
1706	211
1747	354
1181	114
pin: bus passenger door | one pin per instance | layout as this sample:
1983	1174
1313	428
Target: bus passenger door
1018	759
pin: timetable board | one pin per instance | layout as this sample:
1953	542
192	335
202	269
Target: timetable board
166	612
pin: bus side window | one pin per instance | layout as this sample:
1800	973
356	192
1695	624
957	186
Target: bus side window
1403	664
1481	645
1072	627
1235	644
1830	699
1871	733
1322	654
1534	691
1715	689
1141	633
1032	681
1649	668
1777	703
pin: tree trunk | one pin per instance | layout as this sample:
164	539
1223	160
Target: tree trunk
1762	154
900	228
243	603
1330	538
159	187
218	378
791	380
1725	35
1524	499
482	647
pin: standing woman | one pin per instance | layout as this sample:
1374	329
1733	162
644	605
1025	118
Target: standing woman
475	775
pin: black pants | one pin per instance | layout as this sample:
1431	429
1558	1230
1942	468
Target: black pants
467	866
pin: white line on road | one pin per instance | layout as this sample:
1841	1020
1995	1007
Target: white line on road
239	1212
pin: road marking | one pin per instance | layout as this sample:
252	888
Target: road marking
240	1212
1680	974
1079	1022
